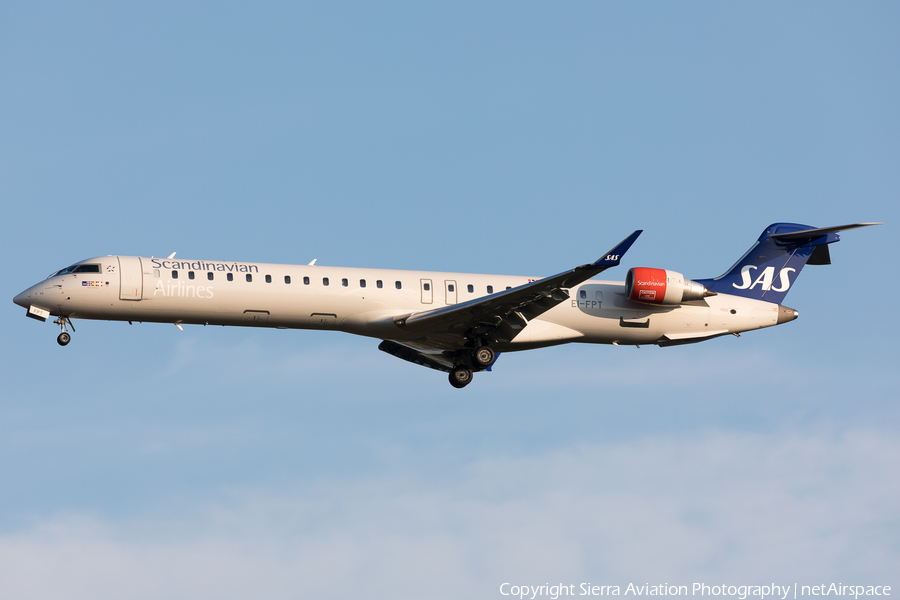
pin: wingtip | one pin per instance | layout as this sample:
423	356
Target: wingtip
614	256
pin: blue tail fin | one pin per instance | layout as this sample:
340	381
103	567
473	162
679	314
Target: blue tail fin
772	264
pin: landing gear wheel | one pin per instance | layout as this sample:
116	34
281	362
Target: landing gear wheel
64	338
484	357
460	377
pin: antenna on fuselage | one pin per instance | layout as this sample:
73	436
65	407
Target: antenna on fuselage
172	255
313	261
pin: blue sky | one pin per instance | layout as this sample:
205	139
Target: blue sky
145	462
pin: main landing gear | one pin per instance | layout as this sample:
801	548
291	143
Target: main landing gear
460	377
482	358
64	338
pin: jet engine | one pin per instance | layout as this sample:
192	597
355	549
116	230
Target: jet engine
661	286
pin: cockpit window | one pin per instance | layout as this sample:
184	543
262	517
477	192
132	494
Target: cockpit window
78	269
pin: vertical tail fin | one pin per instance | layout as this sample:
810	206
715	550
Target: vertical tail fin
772	264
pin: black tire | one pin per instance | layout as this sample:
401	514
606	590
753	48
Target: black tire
63	339
460	377
484	357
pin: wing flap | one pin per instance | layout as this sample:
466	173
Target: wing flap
412	355
504	314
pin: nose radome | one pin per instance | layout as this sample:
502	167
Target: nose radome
785	314
23	298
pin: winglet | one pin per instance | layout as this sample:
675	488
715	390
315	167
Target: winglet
614	256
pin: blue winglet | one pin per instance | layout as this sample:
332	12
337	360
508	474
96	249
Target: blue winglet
614	256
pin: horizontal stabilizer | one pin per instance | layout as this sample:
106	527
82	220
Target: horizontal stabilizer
810	234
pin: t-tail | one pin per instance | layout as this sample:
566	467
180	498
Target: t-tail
771	266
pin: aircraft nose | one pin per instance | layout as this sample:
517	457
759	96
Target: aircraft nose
23	299
785	314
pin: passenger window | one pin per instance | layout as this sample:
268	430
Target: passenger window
344	282
324	281
306	281
287	278
471	288
174	274
509	287
451	288
490	289
268	279
249	277
362	283
427	286
156	273
379	284
397	284
230	277
582	294
190	274
599	296
209	276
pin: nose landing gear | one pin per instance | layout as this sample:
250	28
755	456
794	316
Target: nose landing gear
64	338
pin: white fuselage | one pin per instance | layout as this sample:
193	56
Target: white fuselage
366	301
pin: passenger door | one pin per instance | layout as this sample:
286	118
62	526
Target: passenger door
131	278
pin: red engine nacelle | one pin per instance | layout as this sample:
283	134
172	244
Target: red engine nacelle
660	286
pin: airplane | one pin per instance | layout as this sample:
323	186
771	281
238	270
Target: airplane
458	323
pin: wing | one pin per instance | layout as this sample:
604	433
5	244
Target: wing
498	318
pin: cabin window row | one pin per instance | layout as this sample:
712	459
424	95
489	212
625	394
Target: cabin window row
583	295
287	279
325	281
362	283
